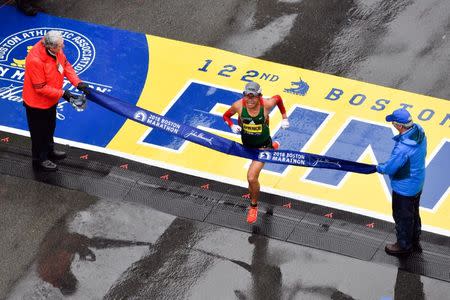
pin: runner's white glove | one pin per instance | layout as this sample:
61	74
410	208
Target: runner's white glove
284	123
236	128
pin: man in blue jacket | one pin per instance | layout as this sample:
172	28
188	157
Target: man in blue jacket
406	170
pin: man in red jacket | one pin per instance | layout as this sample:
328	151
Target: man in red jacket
45	69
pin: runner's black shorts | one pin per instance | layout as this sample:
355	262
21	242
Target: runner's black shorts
266	145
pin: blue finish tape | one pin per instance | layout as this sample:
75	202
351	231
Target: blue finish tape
224	145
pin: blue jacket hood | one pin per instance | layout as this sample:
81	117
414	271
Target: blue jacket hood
413	137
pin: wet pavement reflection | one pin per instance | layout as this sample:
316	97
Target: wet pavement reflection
266	277
169	270
57	252
267	280
408	286
118	250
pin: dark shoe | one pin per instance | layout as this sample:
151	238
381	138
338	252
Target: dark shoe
48	166
57	155
417	247
26	8
396	250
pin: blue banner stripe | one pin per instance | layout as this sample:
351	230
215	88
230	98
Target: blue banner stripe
224	145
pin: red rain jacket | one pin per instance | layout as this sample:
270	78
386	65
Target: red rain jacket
44	77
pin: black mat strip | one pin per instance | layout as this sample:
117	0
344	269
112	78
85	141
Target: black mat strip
333	238
177	203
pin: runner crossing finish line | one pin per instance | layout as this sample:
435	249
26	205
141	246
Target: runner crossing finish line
218	143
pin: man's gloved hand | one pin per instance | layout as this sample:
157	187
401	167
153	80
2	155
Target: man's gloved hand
67	95
84	87
236	128
78	102
284	123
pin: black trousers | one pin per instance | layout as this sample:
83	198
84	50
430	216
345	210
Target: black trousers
21	4
24	2
405	210
42	124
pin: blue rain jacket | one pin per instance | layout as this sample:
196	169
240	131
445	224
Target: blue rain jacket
406	166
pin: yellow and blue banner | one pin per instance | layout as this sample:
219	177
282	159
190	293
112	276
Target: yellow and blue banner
193	85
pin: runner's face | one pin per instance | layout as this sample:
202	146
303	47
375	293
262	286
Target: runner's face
252	100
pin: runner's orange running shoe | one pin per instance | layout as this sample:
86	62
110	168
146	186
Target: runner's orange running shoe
276	145
252	214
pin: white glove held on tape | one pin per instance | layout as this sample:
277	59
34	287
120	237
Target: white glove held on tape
236	128
284	123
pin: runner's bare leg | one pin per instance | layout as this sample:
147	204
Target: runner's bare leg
253	180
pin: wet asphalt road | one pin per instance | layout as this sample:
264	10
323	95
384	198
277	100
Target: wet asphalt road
72	245
403	44
69	245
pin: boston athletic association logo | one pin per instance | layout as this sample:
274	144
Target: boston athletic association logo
140	115
14	48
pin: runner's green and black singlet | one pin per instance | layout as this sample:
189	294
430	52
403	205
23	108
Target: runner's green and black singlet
255	131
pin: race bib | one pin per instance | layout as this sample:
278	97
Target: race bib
253	128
